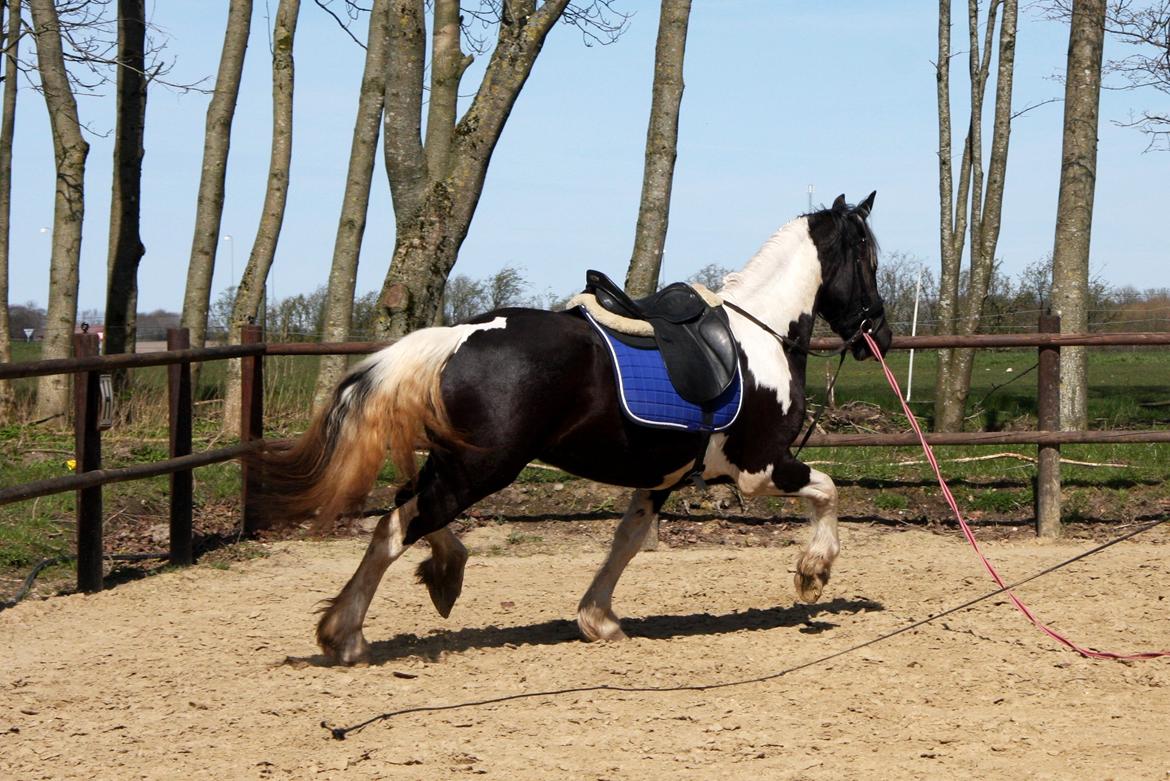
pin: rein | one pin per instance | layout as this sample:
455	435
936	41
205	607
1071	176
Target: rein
791	344
970	536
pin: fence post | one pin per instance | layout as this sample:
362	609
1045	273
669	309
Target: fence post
182	501
87	448
1048	412
251	424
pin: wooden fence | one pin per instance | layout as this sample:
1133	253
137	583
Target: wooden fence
88	367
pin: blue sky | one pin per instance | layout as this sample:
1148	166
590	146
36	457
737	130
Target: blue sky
779	95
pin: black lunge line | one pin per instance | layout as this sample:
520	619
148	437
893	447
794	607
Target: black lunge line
340	733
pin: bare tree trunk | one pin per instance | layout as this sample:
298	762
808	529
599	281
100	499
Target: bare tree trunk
7	126
126	248
351	226
949	261
963	317
661	153
250	296
216	142
1074	211
435	195
70	150
661	148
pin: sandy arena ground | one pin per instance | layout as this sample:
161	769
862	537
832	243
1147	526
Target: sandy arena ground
212	673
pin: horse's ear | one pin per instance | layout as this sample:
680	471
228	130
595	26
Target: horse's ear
839	204
866	206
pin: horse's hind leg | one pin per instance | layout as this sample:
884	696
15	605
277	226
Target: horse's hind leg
442	574
595	616
815	562
339	632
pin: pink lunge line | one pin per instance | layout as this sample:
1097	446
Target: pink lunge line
1090	653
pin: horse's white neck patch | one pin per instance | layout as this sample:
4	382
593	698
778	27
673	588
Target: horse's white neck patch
778	285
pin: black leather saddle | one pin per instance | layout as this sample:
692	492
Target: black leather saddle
694	337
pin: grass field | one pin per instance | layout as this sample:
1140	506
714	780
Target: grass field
1128	389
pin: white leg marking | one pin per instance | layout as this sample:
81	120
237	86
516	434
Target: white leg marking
595	616
339	632
816	560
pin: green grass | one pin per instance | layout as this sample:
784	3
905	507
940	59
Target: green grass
890	501
1120	382
880	467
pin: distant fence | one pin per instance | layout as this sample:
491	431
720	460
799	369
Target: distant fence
88	367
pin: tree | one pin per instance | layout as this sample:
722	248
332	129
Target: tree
216	142
351	225
250	294
962	316
898	282
436	184
1074	211
126	249
219	314
1145	28
70	150
710	276
506	288
11	47
463	299
661	148
661	152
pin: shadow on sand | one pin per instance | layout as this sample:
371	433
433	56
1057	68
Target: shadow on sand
809	619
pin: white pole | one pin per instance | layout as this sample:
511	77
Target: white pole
913	332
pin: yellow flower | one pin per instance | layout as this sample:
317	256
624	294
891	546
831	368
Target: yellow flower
72	464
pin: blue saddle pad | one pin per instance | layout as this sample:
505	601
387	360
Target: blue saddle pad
648	398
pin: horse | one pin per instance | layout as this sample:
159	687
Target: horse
484	398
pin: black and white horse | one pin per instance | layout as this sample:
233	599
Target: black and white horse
486	397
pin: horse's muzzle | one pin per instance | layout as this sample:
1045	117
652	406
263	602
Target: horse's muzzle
881	335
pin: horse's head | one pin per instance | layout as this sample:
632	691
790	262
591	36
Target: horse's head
848	298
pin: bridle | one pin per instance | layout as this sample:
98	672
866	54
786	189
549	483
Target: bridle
868	318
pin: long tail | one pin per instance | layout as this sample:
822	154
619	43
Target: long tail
391	398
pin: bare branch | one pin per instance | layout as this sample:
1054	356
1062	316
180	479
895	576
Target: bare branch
1144	26
324	6
1026	109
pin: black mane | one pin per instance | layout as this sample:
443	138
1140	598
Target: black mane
836	231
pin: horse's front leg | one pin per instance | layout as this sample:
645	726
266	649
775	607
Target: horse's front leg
815	562
339	632
595	616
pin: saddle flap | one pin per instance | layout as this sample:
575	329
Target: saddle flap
675	303
700	358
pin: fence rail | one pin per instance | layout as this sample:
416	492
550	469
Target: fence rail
90	477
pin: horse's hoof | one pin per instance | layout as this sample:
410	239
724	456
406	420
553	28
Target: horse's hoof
598	625
350	653
444	581
341	648
809	587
